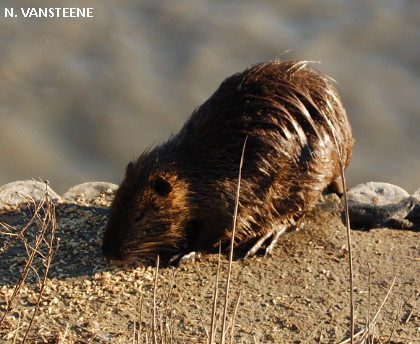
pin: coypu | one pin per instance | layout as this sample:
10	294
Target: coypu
178	197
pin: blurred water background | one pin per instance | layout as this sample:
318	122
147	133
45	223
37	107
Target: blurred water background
80	98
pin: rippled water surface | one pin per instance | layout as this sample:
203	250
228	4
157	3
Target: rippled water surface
79	98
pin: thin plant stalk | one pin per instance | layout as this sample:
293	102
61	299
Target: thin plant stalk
202	321
215	295
369	298
17	328
140	319
232	239
15	237
25	271
349	246
364	333
49	220
154	335
234	316
381	306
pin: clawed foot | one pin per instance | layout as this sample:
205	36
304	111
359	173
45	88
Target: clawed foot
269	240
272	236
183	258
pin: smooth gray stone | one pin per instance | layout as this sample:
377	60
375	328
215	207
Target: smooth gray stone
24	193
90	190
376	204
377	193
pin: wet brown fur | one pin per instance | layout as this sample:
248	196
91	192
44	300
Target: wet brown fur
179	196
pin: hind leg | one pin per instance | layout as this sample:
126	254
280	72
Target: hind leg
271	237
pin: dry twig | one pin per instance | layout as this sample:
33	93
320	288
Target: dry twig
44	217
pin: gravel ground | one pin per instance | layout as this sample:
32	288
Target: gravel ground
299	294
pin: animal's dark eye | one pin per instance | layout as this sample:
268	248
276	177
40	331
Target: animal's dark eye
161	186
139	217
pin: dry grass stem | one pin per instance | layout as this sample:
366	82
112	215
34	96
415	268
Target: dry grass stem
349	247
140	320
234	316
20	235
134	332
44	217
369	299
17	329
367	332
154	332
232	240
137	331
49	221
162	322
410	314
215	295
394	326
202	321
379	310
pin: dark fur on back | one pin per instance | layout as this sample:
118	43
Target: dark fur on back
179	196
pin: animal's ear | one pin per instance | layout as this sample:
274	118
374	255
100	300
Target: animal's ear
129	168
161	186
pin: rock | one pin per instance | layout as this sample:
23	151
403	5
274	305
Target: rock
90	191
415	213
376	204
24	193
416	194
377	193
